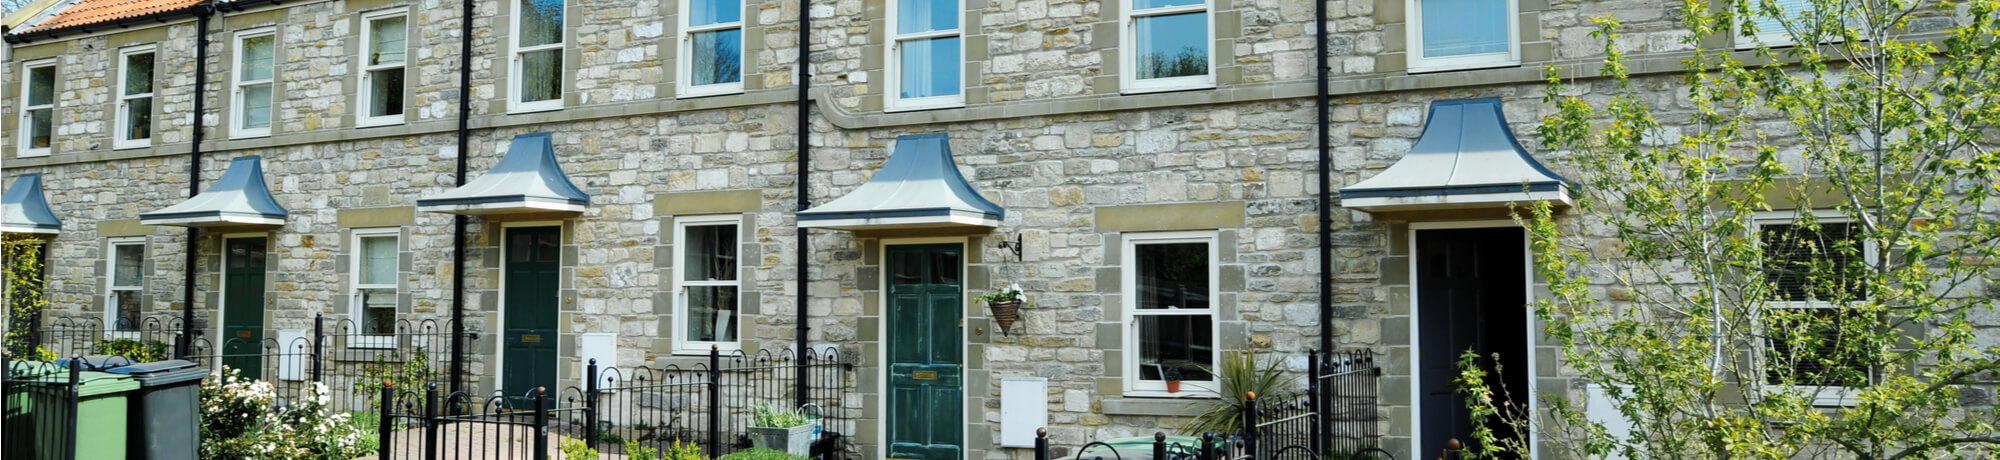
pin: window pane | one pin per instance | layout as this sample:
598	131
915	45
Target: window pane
1802	264
908	268
129	264
930	67
257	58
1806	348
139	118
541	75
378	260
378	311
1172	46
41	85
926	15
38	128
944	268
718	57
1177	344
126	312
1172	276
711	313
1462	27
711	253
541	22
385	41
705	12
385	92
257	106
138	73
1144	4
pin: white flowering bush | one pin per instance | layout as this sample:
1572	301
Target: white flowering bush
243	419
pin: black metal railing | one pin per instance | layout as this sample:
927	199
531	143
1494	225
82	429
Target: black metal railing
42	402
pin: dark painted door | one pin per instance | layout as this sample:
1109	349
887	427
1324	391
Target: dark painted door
243	305
533	288
1471	295
926	410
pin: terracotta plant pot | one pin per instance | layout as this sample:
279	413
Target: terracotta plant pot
1004	314
1173	386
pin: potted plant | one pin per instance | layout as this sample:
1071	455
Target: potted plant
776	427
1173	377
1005	305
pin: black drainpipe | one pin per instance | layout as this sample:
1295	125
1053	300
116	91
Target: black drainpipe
1325	188
185	346
804	130
458	221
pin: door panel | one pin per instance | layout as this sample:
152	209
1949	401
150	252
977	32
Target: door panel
1471	295
241	344
533	264
926	403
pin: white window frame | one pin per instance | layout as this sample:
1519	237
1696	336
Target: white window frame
1128	55
1823	396
685	76
1777	36
237	84
683	346
1414	30
111	288
365	89
122	130
356	310
1129	274
21	128
517	75
892	60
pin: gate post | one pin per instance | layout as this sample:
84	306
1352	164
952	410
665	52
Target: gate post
542	423
383	432
1042	444
1250	424
319	334
715	401
431	422
1315	403
1159	445
590	402
1208	446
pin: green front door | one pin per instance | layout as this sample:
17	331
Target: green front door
926	409
243	305
533	288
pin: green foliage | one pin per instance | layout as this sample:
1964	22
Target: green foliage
576	449
761	454
634	451
413	374
135	350
681	450
41	354
775	416
369	425
609	437
244	420
1241	376
23	290
1011	292
1666	289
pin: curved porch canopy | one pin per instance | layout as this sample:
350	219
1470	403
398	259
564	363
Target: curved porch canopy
238	199
23	209
1467	157
526	181
918	187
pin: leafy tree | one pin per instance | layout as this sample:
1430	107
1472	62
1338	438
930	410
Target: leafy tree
24	294
1793	257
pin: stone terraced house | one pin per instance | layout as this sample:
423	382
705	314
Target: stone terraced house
640	181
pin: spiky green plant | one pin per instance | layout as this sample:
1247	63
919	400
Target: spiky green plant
1241	376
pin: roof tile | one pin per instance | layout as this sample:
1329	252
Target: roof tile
86	12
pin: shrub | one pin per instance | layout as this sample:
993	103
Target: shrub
243	419
634	451
775	416
412	374
682	451
576	449
137	351
761	454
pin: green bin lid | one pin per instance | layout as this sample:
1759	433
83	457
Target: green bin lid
93	383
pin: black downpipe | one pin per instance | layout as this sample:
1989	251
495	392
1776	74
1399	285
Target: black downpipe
185	346
458	221
1325	185
804	130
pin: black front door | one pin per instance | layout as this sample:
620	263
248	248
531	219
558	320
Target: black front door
1471	295
243	305
533	287
924	318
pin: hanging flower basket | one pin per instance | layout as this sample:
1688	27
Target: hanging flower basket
1005	305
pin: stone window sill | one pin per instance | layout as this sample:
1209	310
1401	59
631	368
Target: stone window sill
1170	407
